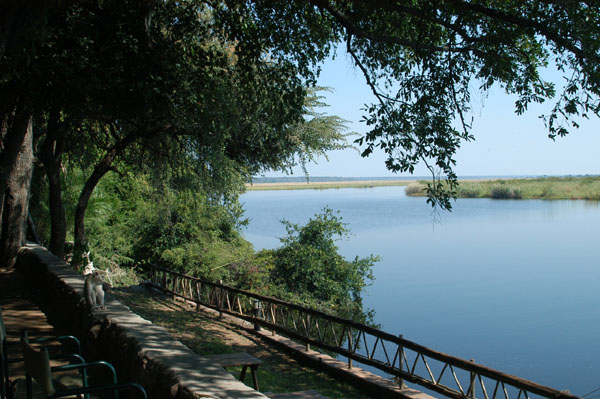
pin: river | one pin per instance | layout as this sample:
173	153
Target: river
512	284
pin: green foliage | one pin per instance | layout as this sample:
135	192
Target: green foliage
253	273
308	266
422	60
584	187
504	192
169	220
221	86
468	192
184	232
317	133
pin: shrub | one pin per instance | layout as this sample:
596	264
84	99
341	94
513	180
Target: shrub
504	192
468	192
500	192
414	189
547	192
309	265
516	193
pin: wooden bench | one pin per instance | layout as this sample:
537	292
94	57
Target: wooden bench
311	394
238	359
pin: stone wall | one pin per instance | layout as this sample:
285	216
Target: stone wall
139	350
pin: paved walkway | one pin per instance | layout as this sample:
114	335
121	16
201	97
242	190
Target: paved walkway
20	313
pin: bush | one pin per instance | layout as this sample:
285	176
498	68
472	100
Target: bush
184	231
504	192
309	265
468	192
415	189
500	192
547	192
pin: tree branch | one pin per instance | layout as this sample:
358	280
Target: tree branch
522	22
351	28
428	17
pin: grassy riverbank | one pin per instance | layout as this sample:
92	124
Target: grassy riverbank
321	185
584	187
551	188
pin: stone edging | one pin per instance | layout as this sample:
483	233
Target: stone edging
139	350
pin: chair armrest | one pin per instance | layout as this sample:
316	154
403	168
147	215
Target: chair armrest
61	339
57	356
73	358
85	366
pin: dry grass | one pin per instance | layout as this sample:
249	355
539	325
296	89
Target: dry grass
552	188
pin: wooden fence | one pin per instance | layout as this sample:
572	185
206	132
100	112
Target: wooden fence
407	361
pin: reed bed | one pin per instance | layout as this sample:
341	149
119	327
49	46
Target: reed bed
551	188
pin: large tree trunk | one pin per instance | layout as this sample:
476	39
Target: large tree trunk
84	198
13	131
16	195
52	150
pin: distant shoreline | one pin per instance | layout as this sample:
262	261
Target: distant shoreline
332	184
548	187
322	185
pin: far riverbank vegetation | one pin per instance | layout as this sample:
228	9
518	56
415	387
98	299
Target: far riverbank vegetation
550	188
322	185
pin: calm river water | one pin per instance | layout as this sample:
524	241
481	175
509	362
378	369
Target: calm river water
514	285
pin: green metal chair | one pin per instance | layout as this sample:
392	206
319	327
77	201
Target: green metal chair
37	367
5	360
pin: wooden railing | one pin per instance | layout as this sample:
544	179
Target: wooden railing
405	360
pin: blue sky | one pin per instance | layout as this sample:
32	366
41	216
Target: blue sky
505	143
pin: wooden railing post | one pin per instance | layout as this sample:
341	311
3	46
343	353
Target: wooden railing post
273	313
307	331
220	300
471	391
256	308
198	298
349	347
401	363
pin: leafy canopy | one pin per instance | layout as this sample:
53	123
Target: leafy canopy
422	59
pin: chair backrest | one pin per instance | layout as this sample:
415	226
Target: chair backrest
37	366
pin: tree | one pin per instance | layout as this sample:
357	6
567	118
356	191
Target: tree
420	59
316	134
309	265
114	86
16	196
22	27
230	76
